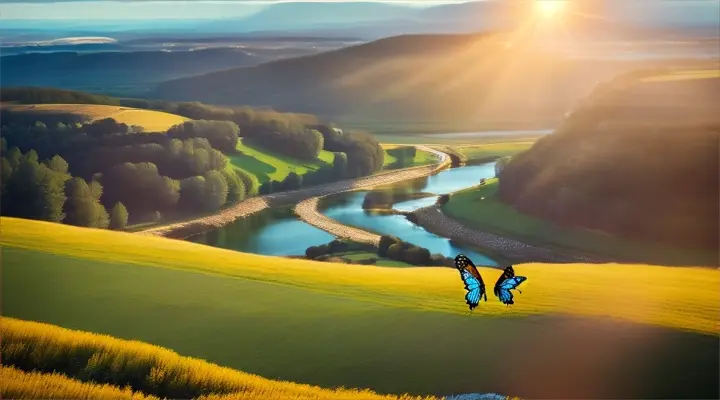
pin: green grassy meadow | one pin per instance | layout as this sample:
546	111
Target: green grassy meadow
477	207
381	261
494	150
421	158
267	165
392	330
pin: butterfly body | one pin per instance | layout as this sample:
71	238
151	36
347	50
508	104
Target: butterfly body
507	282
474	283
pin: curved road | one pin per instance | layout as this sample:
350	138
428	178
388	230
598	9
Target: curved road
182	230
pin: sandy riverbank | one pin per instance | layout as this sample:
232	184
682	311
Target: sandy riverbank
510	250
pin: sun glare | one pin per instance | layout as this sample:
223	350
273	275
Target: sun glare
549	8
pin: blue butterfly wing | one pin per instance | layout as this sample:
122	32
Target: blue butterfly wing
502	291
505	296
512	283
474	287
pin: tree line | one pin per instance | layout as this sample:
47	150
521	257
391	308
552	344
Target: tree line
291	134
148	176
103	174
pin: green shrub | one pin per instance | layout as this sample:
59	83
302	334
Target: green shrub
395	252
385	242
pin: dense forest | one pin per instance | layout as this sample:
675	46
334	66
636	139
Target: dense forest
59	167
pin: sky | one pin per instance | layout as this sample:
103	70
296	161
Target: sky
705	10
146	9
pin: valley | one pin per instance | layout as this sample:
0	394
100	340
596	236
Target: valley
243	201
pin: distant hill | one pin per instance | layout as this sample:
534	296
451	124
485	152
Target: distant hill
637	159
473	77
120	72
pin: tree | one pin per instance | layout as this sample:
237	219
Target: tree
395	252
292	182
500	165
192	193
32	155
250	182
417	256
340	163
216	190
118	217
96	189
80	209
103	219
58	164
385	242
14	156
236	188
222	135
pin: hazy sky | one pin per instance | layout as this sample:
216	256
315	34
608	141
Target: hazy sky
700	10
146	9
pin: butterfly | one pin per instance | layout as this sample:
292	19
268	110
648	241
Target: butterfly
507	282
473	281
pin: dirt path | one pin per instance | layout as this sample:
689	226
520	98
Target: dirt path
182	230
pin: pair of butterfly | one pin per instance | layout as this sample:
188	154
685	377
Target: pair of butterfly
476	287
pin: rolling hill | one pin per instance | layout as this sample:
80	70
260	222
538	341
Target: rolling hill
393	330
636	159
150	120
471	79
131	72
164	373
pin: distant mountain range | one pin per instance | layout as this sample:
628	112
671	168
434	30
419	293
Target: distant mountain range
372	20
129	72
469	77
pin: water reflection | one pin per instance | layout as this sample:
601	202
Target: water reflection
349	211
347	208
273	232
278	232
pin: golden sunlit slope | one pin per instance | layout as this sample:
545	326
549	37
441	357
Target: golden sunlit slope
152	121
683	298
104	359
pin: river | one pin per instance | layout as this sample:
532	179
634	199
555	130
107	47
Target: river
278	232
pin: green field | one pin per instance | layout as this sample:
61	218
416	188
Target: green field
421	158
266	165
478	208
151	120
381	261
494	150
393	330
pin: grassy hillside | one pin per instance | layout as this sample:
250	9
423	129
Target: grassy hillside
393	330
18	384
416	80
122	72
421	158
493	150
266	165
152	121
480	208
156	371
637	159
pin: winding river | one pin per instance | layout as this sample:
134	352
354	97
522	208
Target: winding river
278	232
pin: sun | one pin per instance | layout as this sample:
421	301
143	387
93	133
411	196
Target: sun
549	8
